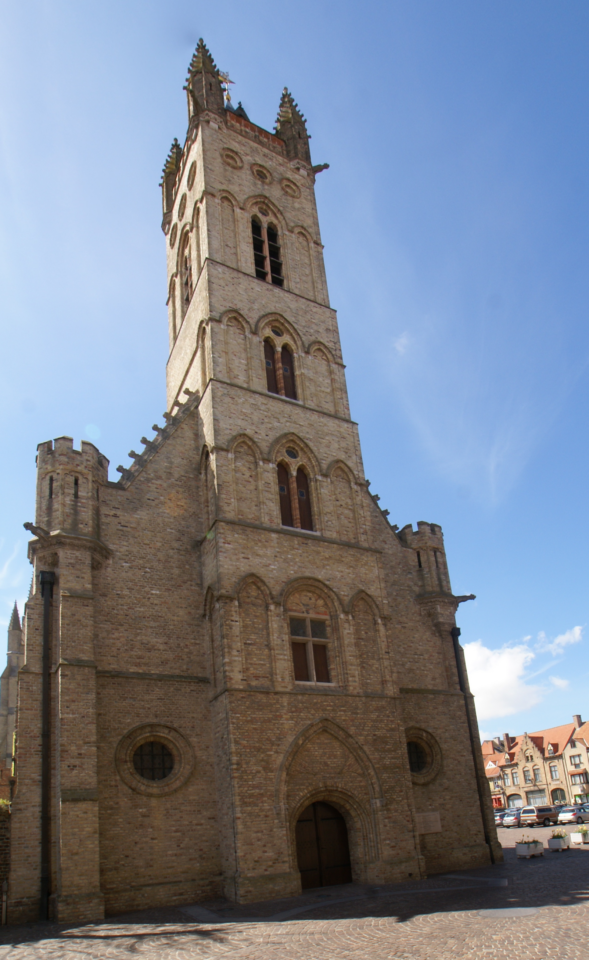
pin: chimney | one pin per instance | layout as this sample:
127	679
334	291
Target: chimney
506	742
577	720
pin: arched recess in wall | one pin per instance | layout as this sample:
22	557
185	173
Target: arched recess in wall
236	351
214	654
343	504
364	620
322	380
228	232
204	359
245	466
305	265
254	632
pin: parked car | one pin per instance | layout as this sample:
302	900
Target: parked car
536	816
499	816
511	818
577	813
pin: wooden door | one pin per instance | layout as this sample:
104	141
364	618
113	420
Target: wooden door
323	853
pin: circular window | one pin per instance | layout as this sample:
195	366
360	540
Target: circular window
173	235
153	761
232	159
424	755
182	207
290	188
191	175
292	453
418	756
261	173
277	331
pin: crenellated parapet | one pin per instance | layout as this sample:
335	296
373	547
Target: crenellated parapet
68	487
430	556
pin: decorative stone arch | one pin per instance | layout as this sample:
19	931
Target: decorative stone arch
172	305
195	227
341	465
224	193
233	314
255	635
278	447
333	614
312	583
208	614
229	232
260	584
360	817
362	595
245	438
305	259
208	486
317	346
291	337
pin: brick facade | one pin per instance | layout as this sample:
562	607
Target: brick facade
178	589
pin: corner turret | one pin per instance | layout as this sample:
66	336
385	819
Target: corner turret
291	127
68	487
168	181
428	543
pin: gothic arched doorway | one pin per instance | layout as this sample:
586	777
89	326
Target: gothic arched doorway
323	853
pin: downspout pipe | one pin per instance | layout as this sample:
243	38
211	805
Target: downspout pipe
47	579
474	746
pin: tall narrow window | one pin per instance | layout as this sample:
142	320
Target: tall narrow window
76	488
267	255
270	361
284	493
536	772
259	249
288	374
309	642
304	500
274	255
186	274
50	488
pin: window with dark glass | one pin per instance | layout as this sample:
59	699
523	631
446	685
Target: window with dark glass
304	500
309	644
50	488
153	761
288	374
267	253
270	360
274	255
418	756
259	249
186	274
284	494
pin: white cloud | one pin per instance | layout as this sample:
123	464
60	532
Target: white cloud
401	344
559	682
556	646
498	679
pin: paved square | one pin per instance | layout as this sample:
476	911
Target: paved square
528	909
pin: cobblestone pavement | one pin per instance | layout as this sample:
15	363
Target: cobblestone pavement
530	909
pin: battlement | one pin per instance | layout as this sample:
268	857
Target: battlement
427	534
68	484
52	454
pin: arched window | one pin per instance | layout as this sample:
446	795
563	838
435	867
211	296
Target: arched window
288	374
186	273
286	517
304	500
559	796
267	255
172	302
270	361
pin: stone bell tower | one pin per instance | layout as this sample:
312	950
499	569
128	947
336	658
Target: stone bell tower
239	677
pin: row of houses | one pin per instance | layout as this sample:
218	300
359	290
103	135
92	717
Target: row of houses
547	767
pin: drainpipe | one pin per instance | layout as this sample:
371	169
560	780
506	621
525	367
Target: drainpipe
47	580
455	632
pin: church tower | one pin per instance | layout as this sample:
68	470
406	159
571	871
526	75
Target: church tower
265	675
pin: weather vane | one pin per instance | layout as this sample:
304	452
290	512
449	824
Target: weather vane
224	77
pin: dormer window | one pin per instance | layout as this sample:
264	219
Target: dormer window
550	750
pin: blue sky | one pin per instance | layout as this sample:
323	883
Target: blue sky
455	222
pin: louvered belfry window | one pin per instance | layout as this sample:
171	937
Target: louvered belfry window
267	253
